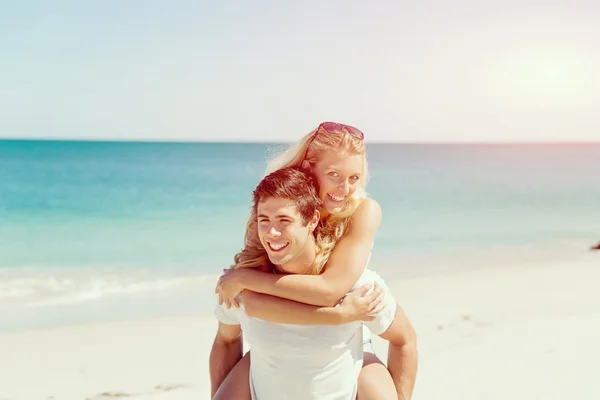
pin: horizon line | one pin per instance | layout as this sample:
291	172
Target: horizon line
213	141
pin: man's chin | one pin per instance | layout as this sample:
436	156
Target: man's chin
277	260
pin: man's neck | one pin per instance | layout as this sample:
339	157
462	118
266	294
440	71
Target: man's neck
302	264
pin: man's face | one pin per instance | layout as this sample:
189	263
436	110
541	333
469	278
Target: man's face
281	230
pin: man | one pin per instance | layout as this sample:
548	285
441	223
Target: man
305	361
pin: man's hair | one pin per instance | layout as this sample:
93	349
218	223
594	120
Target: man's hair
293	183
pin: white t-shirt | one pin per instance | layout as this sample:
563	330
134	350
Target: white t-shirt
305	362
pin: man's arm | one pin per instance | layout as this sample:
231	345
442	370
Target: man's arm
402	354
227	350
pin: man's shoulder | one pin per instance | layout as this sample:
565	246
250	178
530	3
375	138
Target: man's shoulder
368	276
229	316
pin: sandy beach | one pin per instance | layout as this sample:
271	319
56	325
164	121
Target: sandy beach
522	331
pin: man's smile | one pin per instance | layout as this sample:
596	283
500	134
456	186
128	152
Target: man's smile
277	246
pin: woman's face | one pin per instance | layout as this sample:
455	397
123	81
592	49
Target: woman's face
339	175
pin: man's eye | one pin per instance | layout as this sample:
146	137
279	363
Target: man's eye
262	221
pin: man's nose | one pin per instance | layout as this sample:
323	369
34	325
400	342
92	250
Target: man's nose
274	232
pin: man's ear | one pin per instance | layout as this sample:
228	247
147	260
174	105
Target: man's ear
314	220
305	164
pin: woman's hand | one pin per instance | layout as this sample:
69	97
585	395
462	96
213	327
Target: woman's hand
359	306
230	286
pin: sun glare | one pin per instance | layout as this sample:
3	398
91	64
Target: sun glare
553	76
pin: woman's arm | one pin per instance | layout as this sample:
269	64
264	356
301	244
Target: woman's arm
357	306
346	264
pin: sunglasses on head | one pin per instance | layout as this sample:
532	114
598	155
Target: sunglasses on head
336	128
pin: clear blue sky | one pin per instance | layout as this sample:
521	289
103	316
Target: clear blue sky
432	70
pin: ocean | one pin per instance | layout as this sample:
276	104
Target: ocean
97	231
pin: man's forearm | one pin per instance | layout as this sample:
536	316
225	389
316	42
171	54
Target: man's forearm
402	364
223	357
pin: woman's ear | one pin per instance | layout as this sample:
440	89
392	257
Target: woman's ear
305	164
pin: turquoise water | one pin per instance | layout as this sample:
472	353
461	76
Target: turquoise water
93	230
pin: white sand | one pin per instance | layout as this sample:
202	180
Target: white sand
520	332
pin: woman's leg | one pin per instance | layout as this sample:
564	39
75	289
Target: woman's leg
374	380
237	383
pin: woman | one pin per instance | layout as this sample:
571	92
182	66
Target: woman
336	155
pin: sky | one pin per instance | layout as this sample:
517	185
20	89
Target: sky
229	70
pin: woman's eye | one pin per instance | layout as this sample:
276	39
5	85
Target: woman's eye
354	178
334	174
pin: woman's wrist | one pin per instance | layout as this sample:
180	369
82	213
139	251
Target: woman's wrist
342	315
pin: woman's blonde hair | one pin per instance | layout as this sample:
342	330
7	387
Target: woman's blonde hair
310	148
